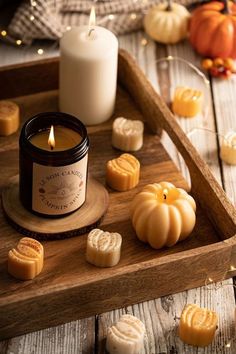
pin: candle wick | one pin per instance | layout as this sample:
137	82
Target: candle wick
51	147
90	31
165	196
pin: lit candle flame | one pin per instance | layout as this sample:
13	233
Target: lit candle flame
92	17
165	193
51	139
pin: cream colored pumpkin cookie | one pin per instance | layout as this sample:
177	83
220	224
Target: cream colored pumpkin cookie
127	134
103	248
126	336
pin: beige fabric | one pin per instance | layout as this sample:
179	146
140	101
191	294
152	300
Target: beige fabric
52	17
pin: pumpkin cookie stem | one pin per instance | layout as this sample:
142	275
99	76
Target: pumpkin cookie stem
169	5
226	7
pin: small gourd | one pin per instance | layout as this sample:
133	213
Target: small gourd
167	22
162	214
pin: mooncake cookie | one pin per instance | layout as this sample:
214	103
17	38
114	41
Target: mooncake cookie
103	248
123	172
127	134
25	261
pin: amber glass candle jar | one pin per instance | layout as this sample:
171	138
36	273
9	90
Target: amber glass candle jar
53	178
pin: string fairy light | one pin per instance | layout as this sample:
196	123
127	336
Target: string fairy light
18	41
194	130
144	42
171	58
210	281
4	33
133	16
40	51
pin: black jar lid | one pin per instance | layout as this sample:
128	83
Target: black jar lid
43	121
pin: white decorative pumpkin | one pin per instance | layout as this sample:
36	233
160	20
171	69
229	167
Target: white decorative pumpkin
162	214
167	25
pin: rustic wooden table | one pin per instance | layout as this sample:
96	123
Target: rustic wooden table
161	316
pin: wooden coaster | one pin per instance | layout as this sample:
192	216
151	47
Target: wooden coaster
81	221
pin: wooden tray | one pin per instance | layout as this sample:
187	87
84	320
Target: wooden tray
69	288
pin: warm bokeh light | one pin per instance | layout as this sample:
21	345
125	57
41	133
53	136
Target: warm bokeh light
144	42
133	16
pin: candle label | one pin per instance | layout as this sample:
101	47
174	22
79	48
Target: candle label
59	189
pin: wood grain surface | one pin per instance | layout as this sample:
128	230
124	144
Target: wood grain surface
80	222
160	315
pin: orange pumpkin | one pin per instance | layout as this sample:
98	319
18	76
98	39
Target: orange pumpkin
213	29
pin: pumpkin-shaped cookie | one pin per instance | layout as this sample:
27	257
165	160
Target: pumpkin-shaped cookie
103	248
126	336
228	148
187	102
127	134
197	325
162	214
9	117
122	173
25	261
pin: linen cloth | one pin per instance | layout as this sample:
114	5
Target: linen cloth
49	19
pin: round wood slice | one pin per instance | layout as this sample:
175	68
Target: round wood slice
81	221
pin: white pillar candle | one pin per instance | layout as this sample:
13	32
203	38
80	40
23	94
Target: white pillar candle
88	73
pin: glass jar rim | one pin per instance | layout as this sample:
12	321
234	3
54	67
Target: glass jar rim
37	123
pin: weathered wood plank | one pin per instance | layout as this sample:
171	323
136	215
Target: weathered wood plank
161	315
225	106
74	337
205	142
161	318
